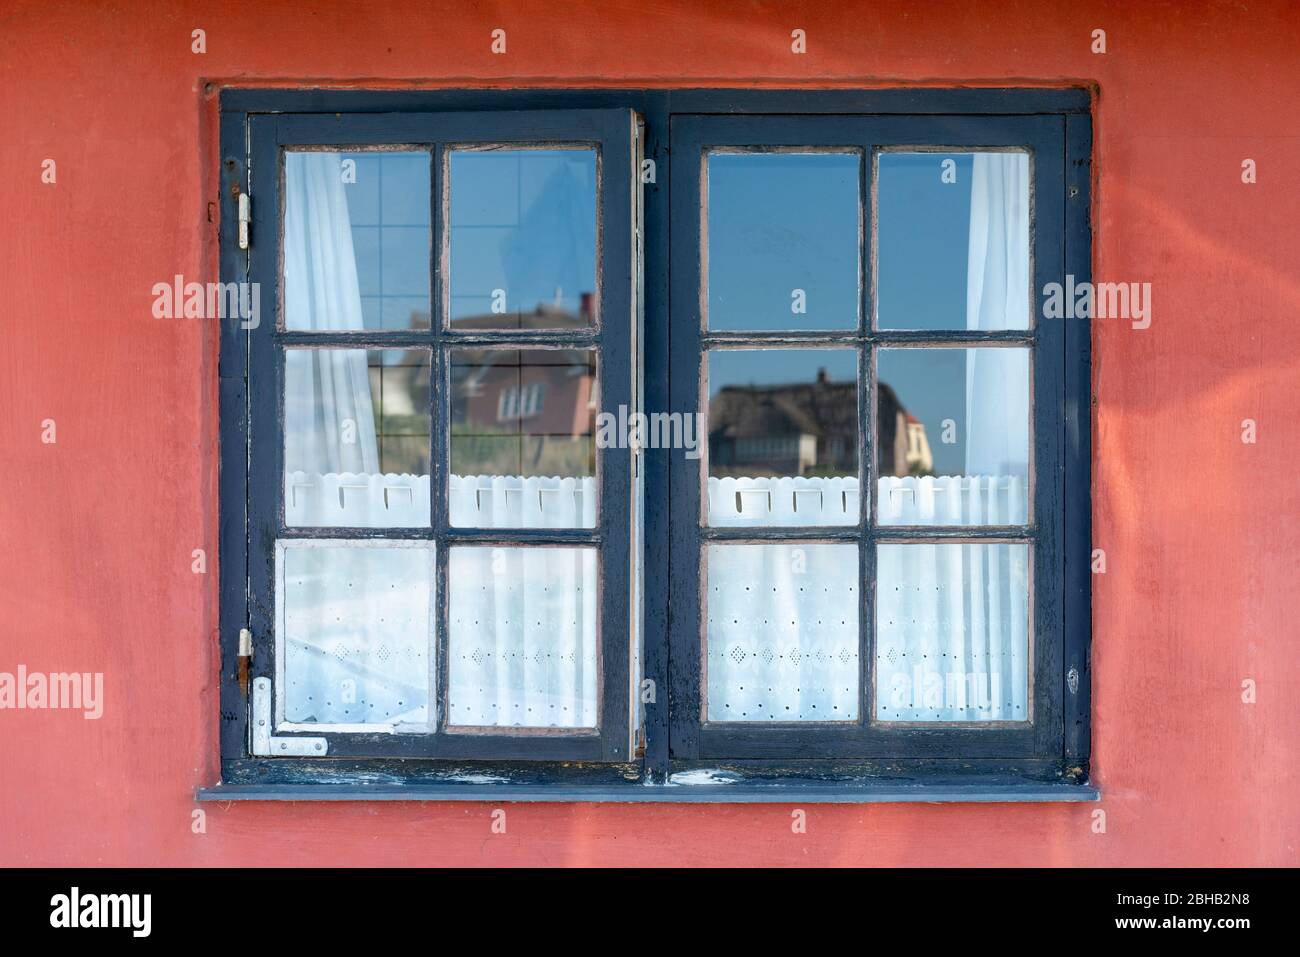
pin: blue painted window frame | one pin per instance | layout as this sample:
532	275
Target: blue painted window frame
669	749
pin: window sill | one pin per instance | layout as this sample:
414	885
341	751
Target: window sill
790	791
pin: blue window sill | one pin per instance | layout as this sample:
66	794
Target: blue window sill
749	792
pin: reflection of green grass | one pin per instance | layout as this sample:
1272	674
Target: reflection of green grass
413	424
498	452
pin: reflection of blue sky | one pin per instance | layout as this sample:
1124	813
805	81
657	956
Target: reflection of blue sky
523	221
388	207
931	385
780	222
761	367
923	237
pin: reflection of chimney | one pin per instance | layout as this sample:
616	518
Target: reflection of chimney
822	378
588	304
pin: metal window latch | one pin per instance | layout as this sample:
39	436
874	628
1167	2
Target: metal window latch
265	744
245	218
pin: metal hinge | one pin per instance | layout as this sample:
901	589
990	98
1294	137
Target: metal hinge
245	218
267	745
245	657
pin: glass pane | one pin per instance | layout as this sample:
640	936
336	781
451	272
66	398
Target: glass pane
523	239
782	632
952	632
783	437
356	438
952	241
952	436
522	637
356	632
523	450
783	241
356	241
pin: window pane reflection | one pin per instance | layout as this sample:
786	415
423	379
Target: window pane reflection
953	240
952	441
523	239
357	437
522	637
357	625
783	241
523	451
356	240
782	632
952	632
783	437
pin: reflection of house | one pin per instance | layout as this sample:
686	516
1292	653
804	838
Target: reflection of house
803	428
918	459
902	447
523	411
535	392
809	428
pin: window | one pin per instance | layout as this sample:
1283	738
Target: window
855	557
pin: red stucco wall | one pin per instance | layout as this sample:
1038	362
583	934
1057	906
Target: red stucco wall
96	530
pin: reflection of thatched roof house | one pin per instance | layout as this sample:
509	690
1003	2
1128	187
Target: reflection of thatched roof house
809	428
804	428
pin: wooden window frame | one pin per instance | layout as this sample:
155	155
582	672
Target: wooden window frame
918	764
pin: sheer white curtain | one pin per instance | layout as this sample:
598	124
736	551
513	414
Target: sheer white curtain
522	629
952	619
356	621
329	438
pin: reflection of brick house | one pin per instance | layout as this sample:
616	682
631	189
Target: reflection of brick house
809	428
523	411
534	392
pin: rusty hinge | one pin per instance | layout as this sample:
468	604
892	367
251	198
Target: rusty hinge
245	658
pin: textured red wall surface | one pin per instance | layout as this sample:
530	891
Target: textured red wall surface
1200	529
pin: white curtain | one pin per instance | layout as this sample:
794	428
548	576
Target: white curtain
329	419
997	297
952	619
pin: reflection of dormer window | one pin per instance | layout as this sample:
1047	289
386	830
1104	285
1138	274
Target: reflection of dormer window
520	402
